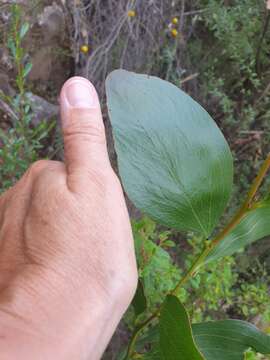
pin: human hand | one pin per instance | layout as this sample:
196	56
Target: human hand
67	263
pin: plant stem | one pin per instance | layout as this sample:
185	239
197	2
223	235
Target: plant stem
207	249
258	181
137	332
192	270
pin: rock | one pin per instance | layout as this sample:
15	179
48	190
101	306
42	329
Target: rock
48	46
42	109
42	64
52	23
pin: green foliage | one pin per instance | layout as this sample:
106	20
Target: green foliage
236	38
215	290
253	299
211	293
20	148
17	33
153	258
159	273
175	136
21	144
251	293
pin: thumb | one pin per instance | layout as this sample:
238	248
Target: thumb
83	128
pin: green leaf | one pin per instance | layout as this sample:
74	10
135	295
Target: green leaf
254	226
24	29
27	68
176	340
229	339
168	243
139	301
174	162
222	340
12	47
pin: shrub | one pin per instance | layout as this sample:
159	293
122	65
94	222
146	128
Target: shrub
22	143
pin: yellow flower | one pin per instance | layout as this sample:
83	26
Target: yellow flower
84	49
174	32
175	20
131	13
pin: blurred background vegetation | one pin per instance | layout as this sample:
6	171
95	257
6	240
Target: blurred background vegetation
218	51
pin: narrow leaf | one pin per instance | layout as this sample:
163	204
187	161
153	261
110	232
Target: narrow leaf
174	162
139	301
12	47
24	29
229	339
254	226
176	340
27	69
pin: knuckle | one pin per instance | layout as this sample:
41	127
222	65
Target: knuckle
85	131
45	170
38	166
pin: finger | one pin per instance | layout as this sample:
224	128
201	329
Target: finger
83	128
